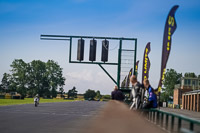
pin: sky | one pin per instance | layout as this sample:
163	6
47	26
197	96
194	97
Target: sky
22	22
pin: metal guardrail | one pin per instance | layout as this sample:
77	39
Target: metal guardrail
157	116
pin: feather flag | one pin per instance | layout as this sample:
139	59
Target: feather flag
146	62
170	27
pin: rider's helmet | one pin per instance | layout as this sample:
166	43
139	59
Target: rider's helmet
37	95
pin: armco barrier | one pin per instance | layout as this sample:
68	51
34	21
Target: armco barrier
157	116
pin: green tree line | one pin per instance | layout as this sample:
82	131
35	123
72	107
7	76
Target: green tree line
36	77
171	79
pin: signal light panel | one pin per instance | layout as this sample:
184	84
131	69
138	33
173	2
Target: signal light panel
93	45
104	53
80	50
92	51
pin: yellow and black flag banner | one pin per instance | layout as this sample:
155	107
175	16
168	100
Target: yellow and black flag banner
123	84
128	77
136	67
170	27
146	62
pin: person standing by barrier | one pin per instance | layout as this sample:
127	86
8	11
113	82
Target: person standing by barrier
136	93
151	96
117	94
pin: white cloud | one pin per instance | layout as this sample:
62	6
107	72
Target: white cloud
85	75
89	79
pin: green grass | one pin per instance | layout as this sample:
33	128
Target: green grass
4	102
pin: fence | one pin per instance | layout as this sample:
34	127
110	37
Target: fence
191	100
163	119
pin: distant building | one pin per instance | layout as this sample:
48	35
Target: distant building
190	83
191	100
187	84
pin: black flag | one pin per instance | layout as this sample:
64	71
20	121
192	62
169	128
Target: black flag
170	27
146	62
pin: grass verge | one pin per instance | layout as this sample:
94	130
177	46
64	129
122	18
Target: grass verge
4	102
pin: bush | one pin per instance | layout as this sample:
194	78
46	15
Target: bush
89	94
16	97
2	96
68	98
107	97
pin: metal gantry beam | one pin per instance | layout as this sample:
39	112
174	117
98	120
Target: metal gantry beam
66	36
118	64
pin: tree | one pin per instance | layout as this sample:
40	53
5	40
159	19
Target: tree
5	82
72	93
33	78
61	91
37	79
1	88
190	75
171	79
45	78
98	95
164	97
54	77
89	94
19	76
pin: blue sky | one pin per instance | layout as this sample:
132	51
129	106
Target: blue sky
22	22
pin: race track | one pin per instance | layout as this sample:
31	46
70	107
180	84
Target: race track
65	117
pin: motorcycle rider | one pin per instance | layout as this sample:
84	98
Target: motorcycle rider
151	96
37	98
135	92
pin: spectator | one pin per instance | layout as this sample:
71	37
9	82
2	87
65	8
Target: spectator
151	96
117	94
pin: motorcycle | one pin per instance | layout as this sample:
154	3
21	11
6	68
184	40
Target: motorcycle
36	101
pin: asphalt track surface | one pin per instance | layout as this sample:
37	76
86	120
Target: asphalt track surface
65	117
116	117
